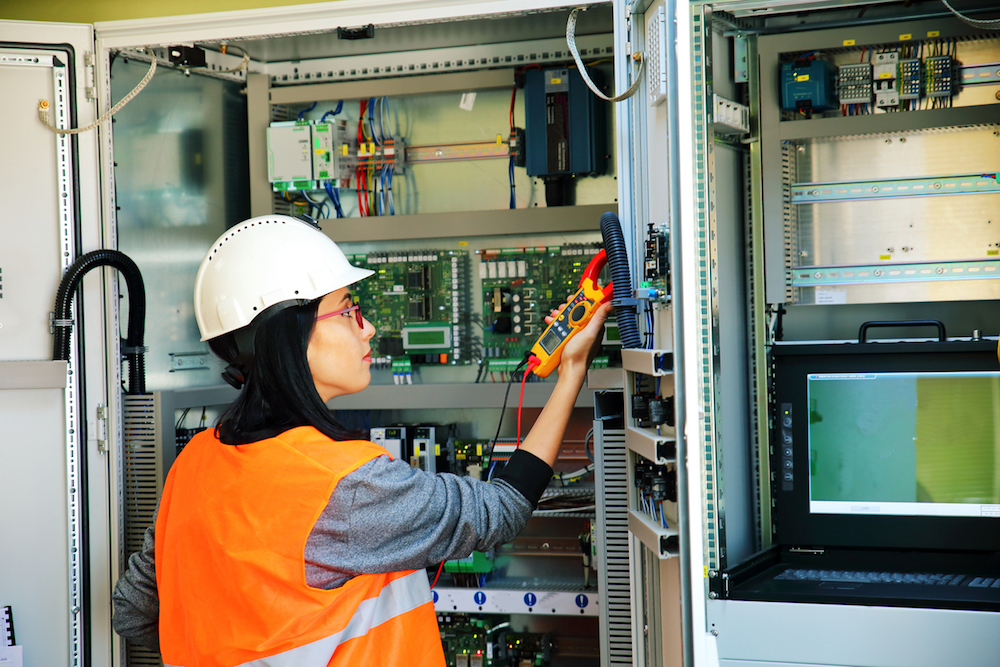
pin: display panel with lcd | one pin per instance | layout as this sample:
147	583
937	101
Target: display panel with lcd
887	445
904	444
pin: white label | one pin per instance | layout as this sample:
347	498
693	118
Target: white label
468	101
828	296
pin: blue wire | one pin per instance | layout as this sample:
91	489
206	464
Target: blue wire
335	198
334	112
649	327
381	194
371	120
302	114
312	204
381	114
392	210
510	171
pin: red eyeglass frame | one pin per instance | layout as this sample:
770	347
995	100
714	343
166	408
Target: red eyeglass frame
356	308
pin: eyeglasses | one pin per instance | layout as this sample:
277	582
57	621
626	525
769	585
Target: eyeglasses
356	309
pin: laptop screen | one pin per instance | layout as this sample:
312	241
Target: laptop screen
904	443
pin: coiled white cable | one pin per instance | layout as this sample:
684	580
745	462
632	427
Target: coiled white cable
988	24
43	105
637	58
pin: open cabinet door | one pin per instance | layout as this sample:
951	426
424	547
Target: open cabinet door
50	215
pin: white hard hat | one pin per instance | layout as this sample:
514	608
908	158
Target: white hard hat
264	261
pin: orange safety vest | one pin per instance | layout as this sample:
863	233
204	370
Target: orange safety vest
230	564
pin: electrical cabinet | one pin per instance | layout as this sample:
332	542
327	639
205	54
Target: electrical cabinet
837	211
429	118
790	179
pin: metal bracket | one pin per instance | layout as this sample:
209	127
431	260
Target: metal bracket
819	276
188	361
891	188
89	61
626	301
102	428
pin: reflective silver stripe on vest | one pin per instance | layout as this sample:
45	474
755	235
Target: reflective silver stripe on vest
396	598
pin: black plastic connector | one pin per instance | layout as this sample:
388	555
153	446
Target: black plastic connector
364	32
516	147
187	56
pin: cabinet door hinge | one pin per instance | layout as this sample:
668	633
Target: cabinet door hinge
89	62
102	428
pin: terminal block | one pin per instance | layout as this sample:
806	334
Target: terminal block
911	79
334	153
856	83
655	264
730	117
940	76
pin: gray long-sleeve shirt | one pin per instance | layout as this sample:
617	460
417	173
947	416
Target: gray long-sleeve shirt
383	517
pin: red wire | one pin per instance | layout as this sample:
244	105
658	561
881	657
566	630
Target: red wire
360	171
359	177
531	366
513	96
438	575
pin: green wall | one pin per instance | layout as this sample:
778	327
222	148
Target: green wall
90	11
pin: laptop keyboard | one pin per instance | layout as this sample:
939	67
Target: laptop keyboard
861	577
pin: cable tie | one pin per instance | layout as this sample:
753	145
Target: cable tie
53	323
142	349
626	301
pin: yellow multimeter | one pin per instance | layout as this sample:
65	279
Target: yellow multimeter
572	317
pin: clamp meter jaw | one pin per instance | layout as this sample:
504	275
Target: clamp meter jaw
572	317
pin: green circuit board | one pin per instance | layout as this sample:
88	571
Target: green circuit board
465	640
521	286
417	301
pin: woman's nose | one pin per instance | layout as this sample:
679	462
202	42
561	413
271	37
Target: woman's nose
368	331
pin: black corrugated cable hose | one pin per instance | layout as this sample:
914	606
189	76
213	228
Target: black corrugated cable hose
621	276
136	310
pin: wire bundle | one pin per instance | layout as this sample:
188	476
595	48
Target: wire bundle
376	159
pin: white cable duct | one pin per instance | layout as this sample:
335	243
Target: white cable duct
637	58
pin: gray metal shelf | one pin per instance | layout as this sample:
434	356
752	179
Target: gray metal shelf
904	121
399	397
434	396
653	536
519	221
33	374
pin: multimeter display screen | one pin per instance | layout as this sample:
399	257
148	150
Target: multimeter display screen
550	341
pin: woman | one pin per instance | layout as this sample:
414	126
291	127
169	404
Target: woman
281	537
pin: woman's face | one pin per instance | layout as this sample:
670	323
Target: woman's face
339	353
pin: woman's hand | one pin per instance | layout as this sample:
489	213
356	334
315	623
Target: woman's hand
581	349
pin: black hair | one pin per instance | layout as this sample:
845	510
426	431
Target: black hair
278	393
